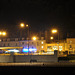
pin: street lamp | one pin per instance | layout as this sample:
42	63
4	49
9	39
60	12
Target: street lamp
22	25
28	37
51	37
4	33
34	38
56	31
27	25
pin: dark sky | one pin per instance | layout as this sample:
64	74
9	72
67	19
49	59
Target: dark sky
39	14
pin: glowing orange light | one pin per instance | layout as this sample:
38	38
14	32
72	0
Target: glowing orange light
4	33
51	38
34	38
0	33
22	25
54	31
27	25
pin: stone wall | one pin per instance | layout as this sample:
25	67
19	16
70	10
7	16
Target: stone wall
29	58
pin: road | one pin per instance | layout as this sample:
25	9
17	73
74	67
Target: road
38	68
58	64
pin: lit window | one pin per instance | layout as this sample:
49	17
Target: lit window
70	42
60	48
42	42
41	46
55	47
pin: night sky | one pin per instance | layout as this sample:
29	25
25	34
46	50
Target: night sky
41	15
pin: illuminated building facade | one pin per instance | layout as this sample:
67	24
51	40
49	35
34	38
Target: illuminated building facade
34	45
40	45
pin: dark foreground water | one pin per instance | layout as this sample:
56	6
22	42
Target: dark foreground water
34	70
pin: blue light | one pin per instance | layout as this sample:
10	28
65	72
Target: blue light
26	50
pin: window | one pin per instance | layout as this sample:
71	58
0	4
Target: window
55	47
42	42
70	41
49	48
60	48
41	46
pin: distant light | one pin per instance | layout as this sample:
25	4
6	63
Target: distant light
13	50
54	31
22	25
32	50
4	33
27	25
0	40
34	38
0	33
51	38
26	49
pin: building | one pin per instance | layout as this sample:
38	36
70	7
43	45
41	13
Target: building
37	45
71	45
40	46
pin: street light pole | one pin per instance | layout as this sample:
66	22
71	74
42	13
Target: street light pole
58	36
56	31
2	34
28	40
22	25
58	43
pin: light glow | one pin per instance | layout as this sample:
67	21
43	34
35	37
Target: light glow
54	31
0	33
41	46
22	25
26	25
26	50
4	33
34	38
51	38
12	50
